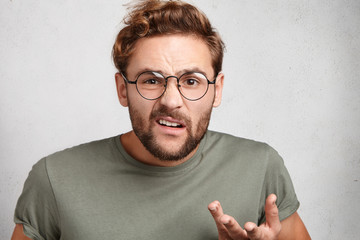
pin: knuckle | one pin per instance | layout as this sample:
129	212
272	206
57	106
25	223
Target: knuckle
273	214
231	223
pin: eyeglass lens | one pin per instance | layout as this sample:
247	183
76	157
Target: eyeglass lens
152	85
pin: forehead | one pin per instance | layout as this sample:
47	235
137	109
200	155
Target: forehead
170	54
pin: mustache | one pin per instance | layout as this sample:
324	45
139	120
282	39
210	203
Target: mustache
162	111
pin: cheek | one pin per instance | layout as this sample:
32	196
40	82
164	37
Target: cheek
208	100
141	106
200	109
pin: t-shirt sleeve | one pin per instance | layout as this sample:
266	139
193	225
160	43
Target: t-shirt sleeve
277	180
36	208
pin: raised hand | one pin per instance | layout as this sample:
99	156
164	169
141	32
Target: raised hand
229	229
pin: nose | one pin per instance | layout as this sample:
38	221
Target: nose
172	98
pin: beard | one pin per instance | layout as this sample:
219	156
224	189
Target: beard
148	138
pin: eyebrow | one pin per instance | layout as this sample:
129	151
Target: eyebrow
179	73
194	69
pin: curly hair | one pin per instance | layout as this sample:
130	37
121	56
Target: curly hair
157	17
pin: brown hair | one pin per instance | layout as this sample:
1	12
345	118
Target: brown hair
157	17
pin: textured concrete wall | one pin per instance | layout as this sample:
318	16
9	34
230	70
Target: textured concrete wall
292	80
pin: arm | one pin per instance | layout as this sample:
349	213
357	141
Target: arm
18	233
290	228
36	210
293	228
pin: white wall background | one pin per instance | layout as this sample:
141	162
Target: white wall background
292	80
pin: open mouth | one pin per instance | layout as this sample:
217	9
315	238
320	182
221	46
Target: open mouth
170	124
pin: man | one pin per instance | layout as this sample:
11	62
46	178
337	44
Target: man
156	181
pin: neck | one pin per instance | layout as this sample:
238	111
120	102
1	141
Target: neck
136	149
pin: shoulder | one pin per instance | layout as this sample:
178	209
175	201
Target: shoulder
223	145
77	159
238	144
83	152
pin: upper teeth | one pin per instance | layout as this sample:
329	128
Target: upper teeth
169	124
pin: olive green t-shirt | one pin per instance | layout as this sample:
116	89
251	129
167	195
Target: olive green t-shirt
98	191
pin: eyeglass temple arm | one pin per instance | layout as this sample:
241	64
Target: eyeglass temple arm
213	81
126	80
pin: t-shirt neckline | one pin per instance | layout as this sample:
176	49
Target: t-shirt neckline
181	168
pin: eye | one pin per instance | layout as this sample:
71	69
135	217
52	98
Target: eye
190	82
151	81
193	80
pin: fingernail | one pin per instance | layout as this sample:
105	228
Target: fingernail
213	209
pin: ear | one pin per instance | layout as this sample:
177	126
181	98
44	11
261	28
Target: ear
121	89
218	89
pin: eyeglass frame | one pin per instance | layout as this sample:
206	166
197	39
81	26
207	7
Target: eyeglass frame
166	83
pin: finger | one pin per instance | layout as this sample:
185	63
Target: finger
253	231
272	213
217	212
233	227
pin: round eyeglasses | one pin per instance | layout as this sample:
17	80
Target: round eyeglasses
152	85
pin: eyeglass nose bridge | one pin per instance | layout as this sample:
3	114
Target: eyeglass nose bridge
165	87
177	83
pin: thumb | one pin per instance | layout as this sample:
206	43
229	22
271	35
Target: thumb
272	213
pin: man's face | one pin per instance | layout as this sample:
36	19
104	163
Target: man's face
170	127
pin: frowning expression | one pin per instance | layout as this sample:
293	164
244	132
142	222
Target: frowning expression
171	126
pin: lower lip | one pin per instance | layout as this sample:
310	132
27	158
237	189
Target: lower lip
170	130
